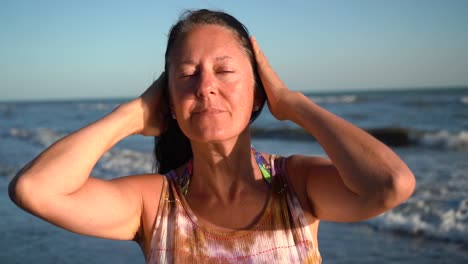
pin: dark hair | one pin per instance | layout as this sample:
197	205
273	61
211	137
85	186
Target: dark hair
172	147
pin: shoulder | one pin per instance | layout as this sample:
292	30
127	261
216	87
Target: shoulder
303	162
142	182
302	168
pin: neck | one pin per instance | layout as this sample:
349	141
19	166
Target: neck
224	170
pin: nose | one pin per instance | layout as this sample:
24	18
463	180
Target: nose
206	84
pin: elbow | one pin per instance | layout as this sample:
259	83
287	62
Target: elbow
20	189
15	186
17	190
12	189
400	187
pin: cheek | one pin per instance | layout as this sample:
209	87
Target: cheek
250	90
177	90
176	100
182	102
244	99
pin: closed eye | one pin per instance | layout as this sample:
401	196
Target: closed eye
188	74
225	72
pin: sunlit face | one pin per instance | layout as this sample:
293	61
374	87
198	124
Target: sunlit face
211	84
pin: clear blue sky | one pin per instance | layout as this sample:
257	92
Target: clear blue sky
95	49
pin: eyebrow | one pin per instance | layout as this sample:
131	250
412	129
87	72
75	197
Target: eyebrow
223	58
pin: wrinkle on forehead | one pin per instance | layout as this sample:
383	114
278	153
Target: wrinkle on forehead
216	59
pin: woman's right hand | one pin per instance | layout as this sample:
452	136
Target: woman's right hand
154	108
57	186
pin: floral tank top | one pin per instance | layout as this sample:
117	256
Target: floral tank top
280	235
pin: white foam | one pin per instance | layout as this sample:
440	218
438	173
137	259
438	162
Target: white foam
445	139
421	218
121	162
20	132
42	136
464	99
346	99
96	106
114	163
46	136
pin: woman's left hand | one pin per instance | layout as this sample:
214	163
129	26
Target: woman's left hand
278	95
363	177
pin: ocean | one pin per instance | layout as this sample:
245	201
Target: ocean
428	128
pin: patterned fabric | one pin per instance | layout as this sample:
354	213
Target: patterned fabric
264	166
281	235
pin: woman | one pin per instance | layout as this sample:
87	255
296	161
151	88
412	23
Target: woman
219	200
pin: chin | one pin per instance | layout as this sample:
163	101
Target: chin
214	135
214	130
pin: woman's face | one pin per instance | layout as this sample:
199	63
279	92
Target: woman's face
211	84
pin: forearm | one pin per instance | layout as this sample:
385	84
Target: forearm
65	166
365	164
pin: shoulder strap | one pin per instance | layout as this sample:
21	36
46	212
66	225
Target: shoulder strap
265	167
278	169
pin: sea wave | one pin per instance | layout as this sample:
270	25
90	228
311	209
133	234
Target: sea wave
118	162
42	136
96	106
115	162
464	99
392	136
442	139
428	219
435	211
335	99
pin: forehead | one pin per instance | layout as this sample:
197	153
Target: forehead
208	42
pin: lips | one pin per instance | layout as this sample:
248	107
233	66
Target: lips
208	111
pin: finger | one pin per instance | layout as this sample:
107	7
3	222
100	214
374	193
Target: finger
266	72
263	66
259	56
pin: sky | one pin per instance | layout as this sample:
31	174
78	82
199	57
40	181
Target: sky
114	49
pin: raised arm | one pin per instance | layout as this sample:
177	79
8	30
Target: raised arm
56	185
363	177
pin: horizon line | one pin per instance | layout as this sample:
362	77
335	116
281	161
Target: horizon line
339	90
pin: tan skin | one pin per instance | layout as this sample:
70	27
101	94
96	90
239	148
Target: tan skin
211	84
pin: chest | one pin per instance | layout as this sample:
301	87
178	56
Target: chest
241	213
278	234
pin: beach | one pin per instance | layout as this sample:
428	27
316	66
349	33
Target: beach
428	128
